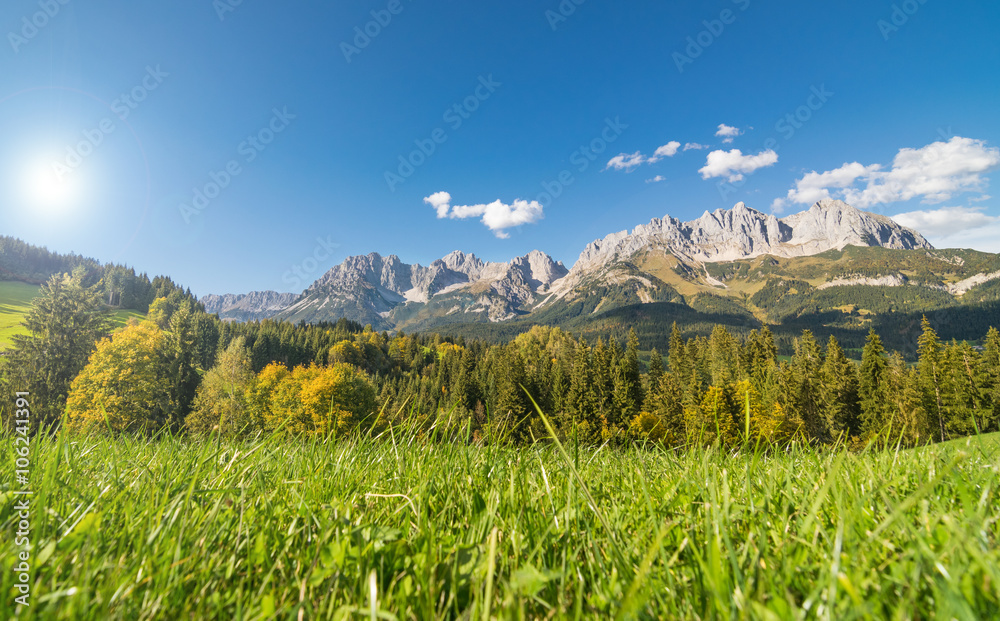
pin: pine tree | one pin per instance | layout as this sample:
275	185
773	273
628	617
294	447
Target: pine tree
653	377
670	409
677	357
929	367
182	356
724	355
990	380
806	385
839	392
872	387
603	361
64	324
581	401
627	387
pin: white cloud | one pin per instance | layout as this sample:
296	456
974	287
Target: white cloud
727	133
439	201
934	173
625	161
815	186
667	150
656	179
733	164
955	227
628	161
694	145
497	216
947	221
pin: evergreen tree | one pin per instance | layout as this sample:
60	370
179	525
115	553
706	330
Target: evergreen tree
929	368
677	357
806	384
839	392
989	381
64	324
627	387
653	377
872	389
581	401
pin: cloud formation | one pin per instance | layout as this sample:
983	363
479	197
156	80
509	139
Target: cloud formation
934	173
656	179
694	145
628	161
727	133
733	164
955	227
667	150
497	216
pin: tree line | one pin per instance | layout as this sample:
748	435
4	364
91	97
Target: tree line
185	370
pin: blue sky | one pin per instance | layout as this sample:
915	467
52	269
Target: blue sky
114	114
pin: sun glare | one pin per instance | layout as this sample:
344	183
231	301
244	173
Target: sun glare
48	185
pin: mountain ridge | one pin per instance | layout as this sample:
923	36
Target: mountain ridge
663	260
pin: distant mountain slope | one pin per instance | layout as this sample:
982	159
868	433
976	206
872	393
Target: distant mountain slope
386	292
249	306
735	234
832	262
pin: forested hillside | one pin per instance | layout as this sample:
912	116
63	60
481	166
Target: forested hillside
187	370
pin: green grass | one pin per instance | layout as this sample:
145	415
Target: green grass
270	529
15	301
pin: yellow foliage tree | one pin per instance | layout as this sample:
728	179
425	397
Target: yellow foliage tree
348	352
125	385
221	401
647	426
314	399
712	420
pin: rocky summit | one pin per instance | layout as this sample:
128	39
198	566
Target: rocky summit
248	306
665	260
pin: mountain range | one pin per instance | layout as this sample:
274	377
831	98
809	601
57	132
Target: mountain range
740	259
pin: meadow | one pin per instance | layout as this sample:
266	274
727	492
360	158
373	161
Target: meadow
15	302
351	528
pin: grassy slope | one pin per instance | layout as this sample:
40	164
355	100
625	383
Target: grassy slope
15	300
136	529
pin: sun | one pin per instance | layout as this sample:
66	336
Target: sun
50	184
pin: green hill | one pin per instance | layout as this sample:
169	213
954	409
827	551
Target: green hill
15	300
